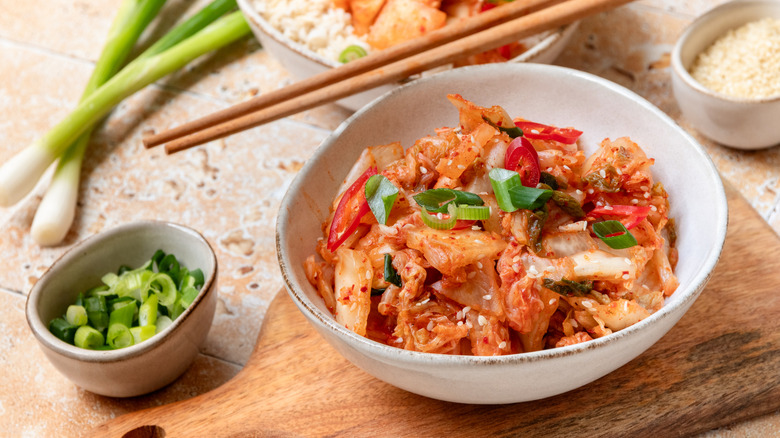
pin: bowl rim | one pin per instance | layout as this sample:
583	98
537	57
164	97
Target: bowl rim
270	31
49	341
697	25
688	295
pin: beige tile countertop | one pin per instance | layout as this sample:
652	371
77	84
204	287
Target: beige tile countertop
230	190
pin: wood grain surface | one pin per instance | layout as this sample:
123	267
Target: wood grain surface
720	364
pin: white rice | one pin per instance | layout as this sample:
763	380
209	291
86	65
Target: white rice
315	24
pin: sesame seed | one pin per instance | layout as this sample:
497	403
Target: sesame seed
532	270
566	167
478	241
469	324
368	275
574	323
652	207
475	228
516	268
587	304
459	315
482	320
647	195
635	201
627	260
471	274
590	191
430	326
643	188
625	277
423	170
487	297
619	172
460	323
461	167
515	259
502	345
479	265
466	310
603	173
552	301
578	191
398	341
608	207
549	169
439	215
449	163
424	301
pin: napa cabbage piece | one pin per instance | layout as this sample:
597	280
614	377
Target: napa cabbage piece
448	250
353	277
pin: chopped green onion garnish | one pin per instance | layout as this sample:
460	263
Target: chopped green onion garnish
142	333
380	194
87	337
511	194
473	212
147	314
162	323
119	336
437	200
62	329
76	315
123	314
502	180
352	53
437	221
391	275
614	234
97	313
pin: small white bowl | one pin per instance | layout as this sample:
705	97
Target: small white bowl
303	63
149	365
737	122
546	94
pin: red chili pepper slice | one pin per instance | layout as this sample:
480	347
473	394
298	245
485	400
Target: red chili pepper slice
462	224
352	207
634	213
538	131
522	157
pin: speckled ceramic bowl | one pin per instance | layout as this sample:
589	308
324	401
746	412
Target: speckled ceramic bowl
149	365
543	93
737	122
302	62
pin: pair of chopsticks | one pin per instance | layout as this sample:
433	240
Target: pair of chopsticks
488	30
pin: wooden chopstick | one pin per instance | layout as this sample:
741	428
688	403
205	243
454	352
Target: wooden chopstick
376	59
551	17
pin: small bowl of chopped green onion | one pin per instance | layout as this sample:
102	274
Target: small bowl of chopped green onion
125	312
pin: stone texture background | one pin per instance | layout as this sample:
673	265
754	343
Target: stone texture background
230	190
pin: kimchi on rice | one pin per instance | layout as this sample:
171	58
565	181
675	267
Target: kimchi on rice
495	237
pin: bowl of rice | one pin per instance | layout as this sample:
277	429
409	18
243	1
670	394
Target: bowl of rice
308	36
726	74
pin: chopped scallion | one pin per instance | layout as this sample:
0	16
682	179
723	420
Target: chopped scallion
437	200
440	221
473	212
614	234
76	315
391	275
119	336
352	53
87	337
380	194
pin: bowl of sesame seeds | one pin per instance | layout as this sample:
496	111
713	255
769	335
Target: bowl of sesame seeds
726	74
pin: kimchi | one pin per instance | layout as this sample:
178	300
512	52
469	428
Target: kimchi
496	236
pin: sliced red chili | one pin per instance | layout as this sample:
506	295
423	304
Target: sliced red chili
352	207
463	224
538	131
634	214
522	157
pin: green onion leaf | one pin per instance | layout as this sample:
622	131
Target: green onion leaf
76	315
614	234
119	336
142	333
529	198
437	221
380	194
123	314
473	212
188	295
568	288
352	53
97	312
63	330
391	276
502	180
88	337
437	200
147	314
197	275
376	292
162	323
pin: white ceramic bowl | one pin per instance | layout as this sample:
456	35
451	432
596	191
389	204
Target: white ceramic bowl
149	365
737	122
302	62
546	94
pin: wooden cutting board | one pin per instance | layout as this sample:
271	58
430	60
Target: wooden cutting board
720	364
